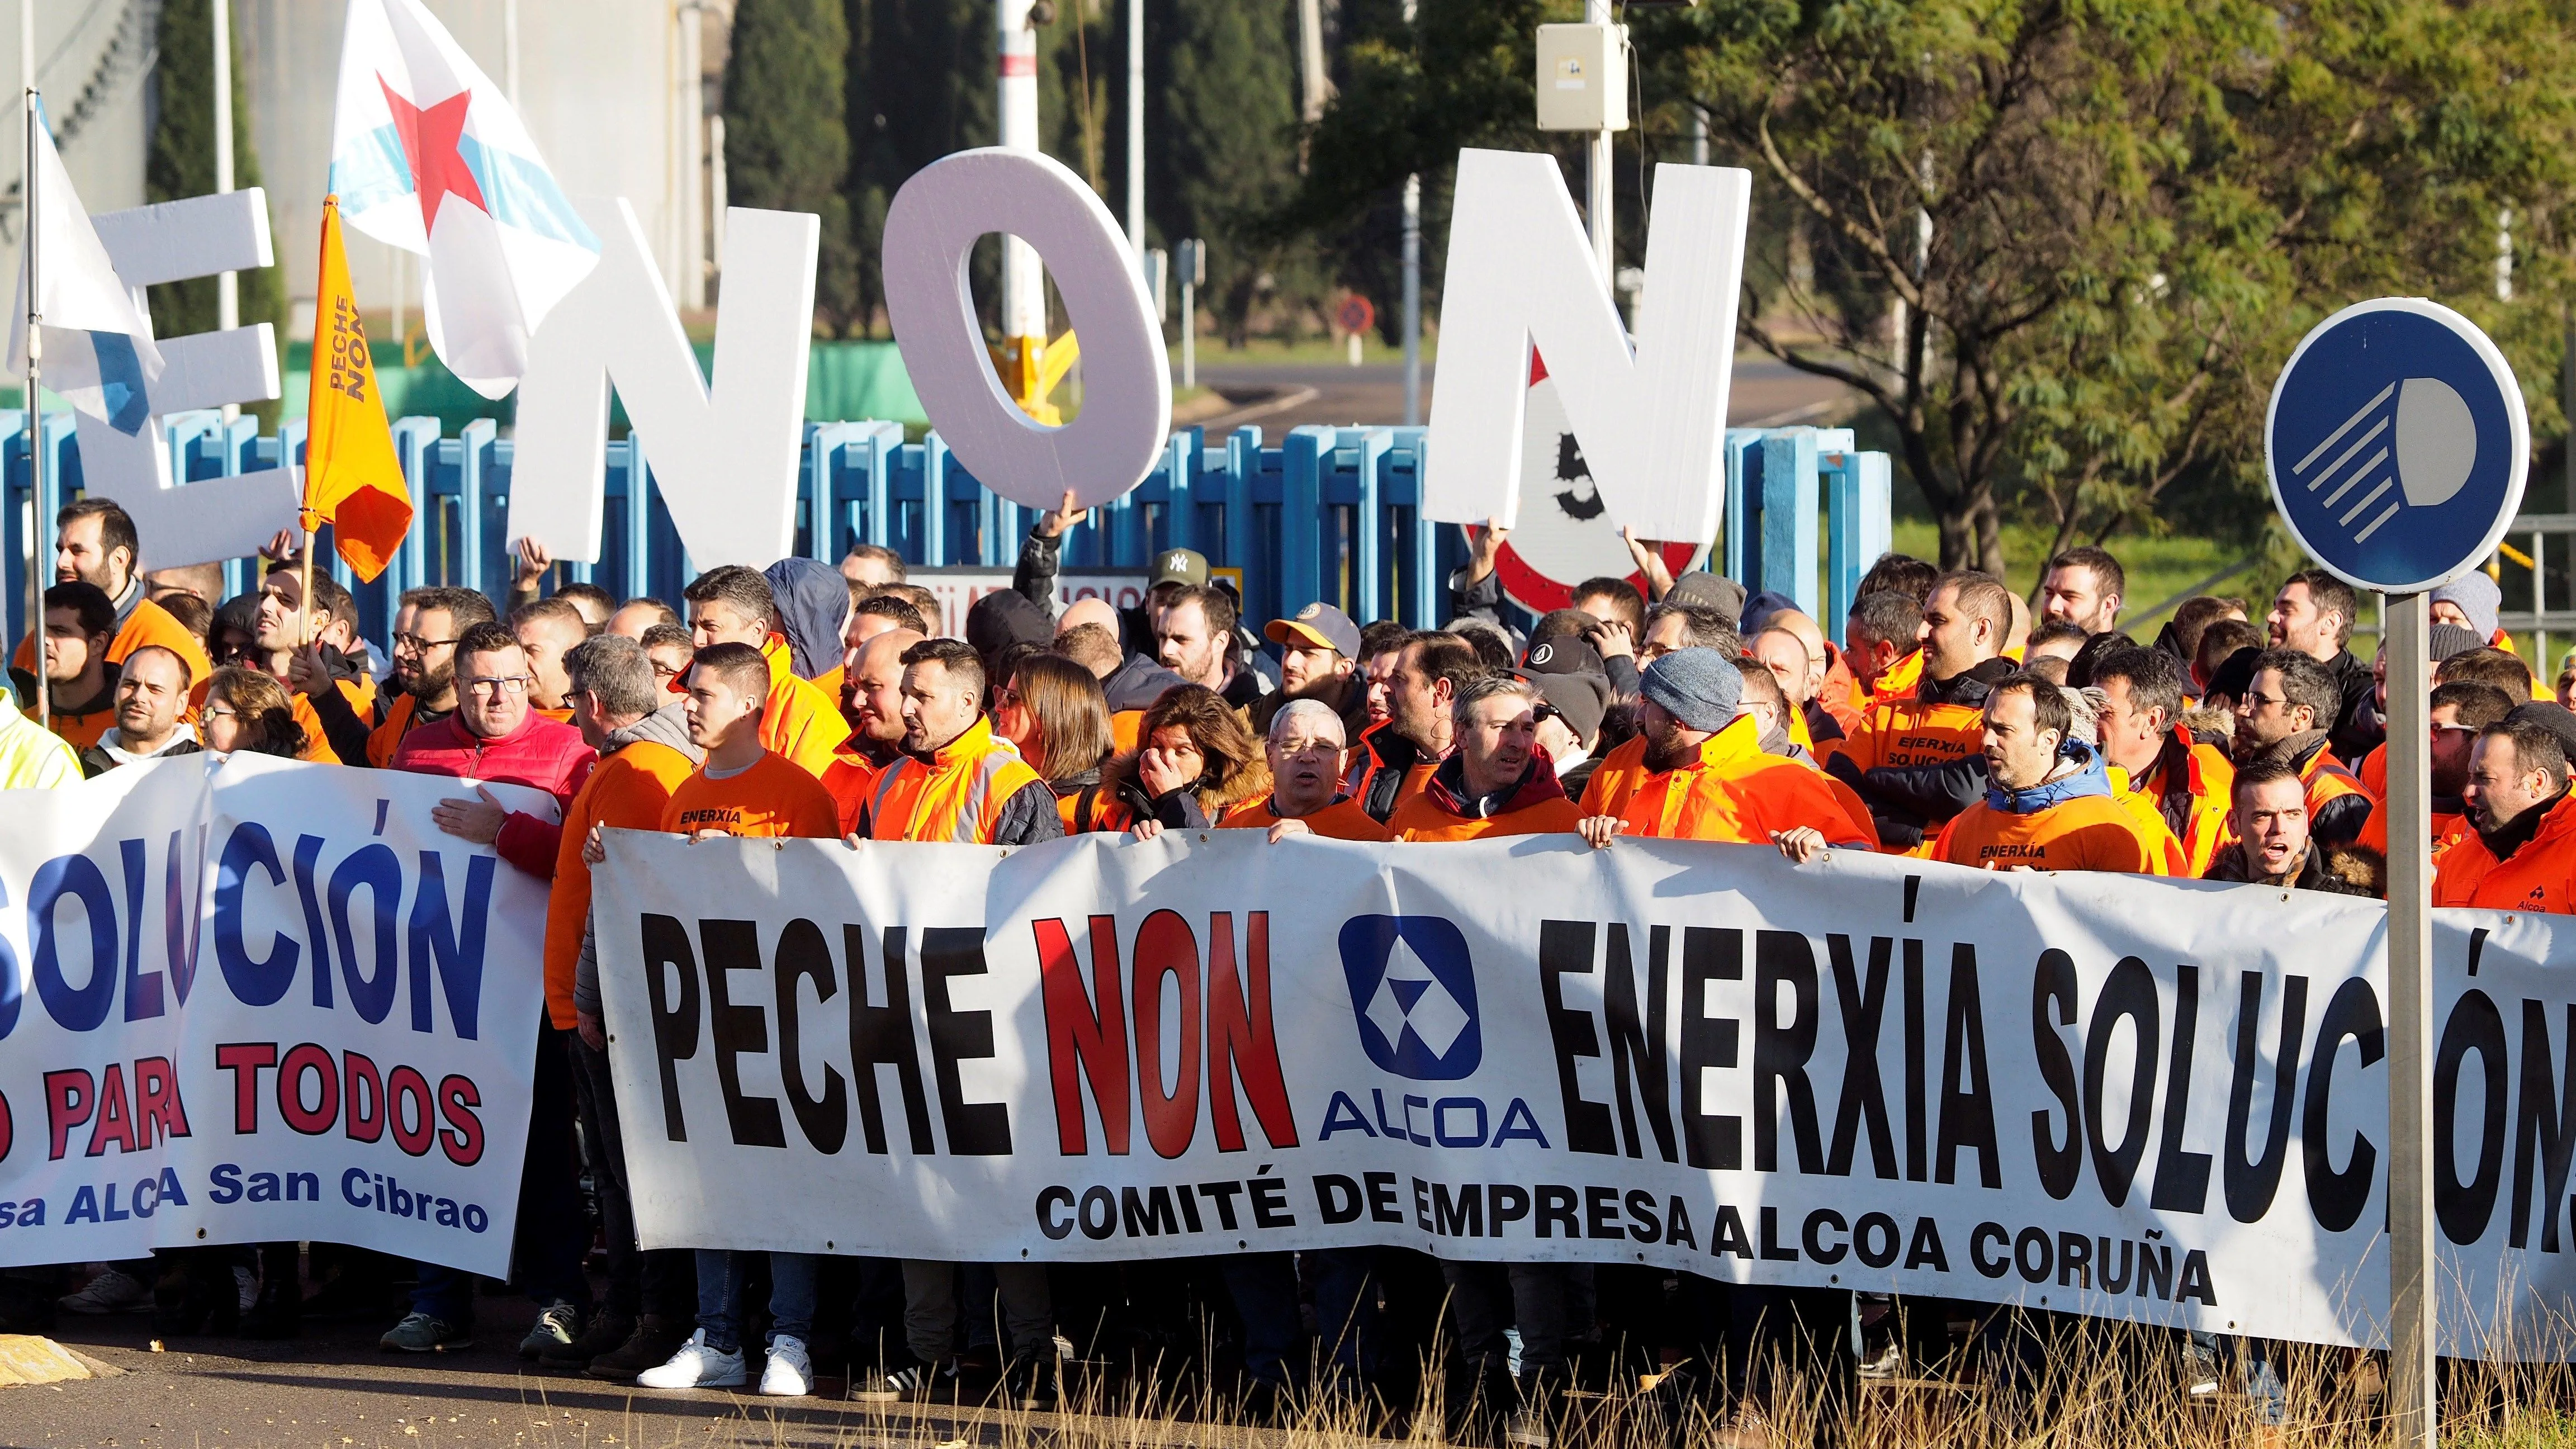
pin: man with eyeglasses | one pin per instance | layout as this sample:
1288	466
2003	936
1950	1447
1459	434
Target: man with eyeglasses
2285	714
1305	747
427	623
494	735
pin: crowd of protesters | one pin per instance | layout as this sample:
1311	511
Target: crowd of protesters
1950	722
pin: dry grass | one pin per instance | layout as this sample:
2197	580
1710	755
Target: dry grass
2093	1384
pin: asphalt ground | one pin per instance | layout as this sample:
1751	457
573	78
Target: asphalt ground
1279	397
332	1388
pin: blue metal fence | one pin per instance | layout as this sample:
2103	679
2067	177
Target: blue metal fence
1322	513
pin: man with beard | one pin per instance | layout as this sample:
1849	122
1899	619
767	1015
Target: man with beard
1428	674
1196	633
2517	856
2048	802
1702	773
80	680
2313	615
95	544
151	697
2082	587
1965	621
1319	654
2284	714
427	624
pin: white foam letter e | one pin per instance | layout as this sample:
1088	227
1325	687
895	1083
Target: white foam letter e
1521	273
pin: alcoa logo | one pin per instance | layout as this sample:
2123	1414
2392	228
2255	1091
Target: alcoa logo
1413	993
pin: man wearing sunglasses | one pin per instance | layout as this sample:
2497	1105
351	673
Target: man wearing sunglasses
2285	714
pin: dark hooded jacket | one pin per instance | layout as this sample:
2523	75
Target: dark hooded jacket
813	606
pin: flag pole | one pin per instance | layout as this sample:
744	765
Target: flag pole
35	430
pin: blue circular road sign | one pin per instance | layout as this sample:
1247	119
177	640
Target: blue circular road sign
2397	443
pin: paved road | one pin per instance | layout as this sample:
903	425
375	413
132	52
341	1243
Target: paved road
333	1390
1280	397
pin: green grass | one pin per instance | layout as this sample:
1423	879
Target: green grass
2158	568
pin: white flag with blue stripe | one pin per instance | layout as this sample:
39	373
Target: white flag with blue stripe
99	354
428	155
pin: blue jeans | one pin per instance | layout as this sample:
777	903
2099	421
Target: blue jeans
791	1296
1264	1289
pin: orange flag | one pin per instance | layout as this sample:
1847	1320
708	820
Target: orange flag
352	480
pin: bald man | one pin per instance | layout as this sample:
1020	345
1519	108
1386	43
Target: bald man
1829	679
875	674
1093	610
1786	659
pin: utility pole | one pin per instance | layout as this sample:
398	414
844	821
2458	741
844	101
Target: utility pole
1136	129
689	129
1023	279
37	513
1412	282
510	53
228	284
1598	162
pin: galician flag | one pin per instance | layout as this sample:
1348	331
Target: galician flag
98	353
427	155
352	480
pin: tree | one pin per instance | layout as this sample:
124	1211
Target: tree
181	163
2135	208
787	138
2065	247
1220	131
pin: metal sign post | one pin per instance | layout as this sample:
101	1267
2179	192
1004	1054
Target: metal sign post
2397	446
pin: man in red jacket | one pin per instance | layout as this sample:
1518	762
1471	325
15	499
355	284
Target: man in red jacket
495	735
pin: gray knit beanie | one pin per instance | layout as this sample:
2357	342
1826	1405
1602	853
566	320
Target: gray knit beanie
1699	687
2478	597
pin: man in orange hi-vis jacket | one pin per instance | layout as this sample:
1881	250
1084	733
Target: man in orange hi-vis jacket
1706	774
2048	802
2520	852
731	604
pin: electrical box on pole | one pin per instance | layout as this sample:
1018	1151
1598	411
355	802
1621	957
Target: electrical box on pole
1583	77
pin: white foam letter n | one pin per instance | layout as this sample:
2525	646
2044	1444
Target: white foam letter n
725	455
1652	422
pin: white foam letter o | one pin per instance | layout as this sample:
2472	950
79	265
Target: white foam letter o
930	232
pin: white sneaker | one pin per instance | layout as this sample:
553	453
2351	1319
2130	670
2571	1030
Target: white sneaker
790	1371
111	1291
247	1284
696	1366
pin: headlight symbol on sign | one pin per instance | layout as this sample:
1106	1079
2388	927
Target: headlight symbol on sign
2397	444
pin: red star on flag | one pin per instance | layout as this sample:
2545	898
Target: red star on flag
429	137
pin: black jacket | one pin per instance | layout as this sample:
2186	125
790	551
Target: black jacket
2354	734
1910	802
2344	871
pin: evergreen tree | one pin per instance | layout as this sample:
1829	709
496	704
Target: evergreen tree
181	163
787	139
1220	137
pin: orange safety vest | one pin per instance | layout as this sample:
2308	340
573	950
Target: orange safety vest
1896	683
1734	792
2210	780
2541	876
361	695
958	797
386	738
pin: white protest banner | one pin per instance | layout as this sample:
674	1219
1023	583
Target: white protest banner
260	1001
2096	1094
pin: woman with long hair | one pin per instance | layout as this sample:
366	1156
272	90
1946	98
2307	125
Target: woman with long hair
1053	710
248	711
1194	761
